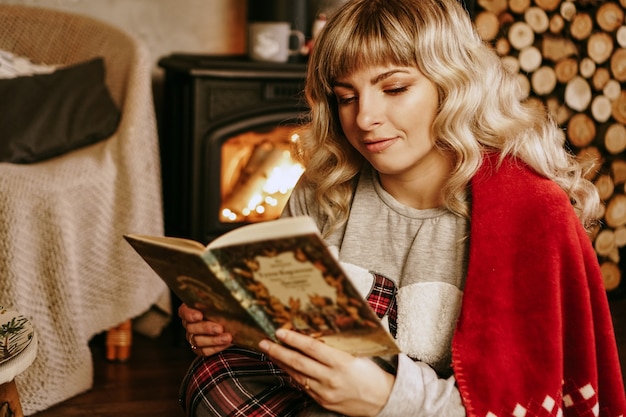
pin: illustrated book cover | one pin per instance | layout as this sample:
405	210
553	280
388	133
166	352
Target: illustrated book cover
269	275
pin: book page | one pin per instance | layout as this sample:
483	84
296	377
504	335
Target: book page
174	242
275	229
294	281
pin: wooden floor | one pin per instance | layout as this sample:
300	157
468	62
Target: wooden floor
147	385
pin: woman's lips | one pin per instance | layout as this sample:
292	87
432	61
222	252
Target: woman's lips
379	145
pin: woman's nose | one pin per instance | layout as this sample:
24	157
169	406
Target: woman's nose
370	113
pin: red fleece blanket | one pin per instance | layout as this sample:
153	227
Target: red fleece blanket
535	336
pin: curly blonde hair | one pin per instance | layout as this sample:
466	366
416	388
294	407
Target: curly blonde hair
480	110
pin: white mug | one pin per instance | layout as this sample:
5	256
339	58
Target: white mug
270	41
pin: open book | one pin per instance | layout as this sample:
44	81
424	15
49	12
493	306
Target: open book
263	276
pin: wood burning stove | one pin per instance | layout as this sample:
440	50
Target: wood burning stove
226	129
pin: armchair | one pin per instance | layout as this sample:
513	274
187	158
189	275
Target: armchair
63	260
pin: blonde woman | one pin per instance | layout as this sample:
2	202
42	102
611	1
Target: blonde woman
458	213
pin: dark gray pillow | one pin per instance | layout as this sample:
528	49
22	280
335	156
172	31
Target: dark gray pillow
46	115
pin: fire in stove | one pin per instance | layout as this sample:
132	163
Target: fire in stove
258	174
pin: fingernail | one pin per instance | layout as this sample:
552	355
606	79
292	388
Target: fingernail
280	333
264	344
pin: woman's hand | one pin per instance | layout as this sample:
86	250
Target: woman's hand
205	337
337	380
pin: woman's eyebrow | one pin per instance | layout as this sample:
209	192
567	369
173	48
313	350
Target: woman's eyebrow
341	84
385	75
373	81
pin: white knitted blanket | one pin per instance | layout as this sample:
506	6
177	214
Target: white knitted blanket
63	261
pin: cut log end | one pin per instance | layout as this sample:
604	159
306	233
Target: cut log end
611	275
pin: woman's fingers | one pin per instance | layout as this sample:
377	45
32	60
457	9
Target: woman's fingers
304	357
300	367
205	337
206	345
189	314
204	340
204	327
313	348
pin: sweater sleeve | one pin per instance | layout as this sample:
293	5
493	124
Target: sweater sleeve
419	392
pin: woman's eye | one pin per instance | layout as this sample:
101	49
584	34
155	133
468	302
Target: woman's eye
396	90
342	100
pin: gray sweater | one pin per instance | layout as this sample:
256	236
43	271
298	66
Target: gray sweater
424	252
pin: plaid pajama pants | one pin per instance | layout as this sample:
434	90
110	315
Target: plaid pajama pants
240	382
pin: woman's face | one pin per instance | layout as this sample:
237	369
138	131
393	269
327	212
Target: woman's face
387	113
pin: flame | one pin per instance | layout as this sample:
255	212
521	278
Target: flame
273	185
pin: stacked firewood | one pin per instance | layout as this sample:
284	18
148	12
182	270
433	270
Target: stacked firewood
570	56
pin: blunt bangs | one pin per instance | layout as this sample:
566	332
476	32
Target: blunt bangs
375	39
